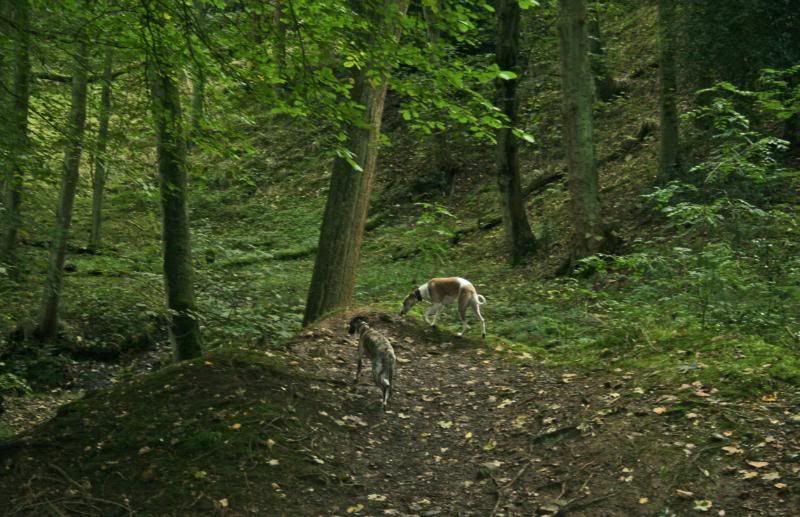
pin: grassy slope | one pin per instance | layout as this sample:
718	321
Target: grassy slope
251	287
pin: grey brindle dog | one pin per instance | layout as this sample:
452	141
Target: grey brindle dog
376	347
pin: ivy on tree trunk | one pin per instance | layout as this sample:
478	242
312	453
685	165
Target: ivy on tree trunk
576	81
47	328
101	167
334	276
668	148
18	144
515	221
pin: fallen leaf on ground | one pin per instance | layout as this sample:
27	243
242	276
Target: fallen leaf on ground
702	505
659	410
732	449
355	509
758	464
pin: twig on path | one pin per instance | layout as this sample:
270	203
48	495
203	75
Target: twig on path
590	502
555	433
503	488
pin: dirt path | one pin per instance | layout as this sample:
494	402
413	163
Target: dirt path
472	433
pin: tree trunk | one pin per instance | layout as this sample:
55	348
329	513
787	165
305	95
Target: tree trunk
576	83
333	280
48	316
515	221
197	115
279	24
18	136
668	149
101	163
442	161
172	167
603	81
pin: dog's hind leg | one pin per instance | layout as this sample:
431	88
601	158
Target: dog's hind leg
462	313
477	307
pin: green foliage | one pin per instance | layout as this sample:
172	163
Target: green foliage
12	384
719	37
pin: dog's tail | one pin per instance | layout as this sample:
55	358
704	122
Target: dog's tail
481	299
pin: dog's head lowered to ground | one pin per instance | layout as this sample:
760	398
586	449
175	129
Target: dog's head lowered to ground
410	300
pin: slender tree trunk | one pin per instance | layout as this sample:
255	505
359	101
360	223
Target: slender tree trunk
604	85
18	140
172	169
576	81
668	149
101	162
334	276
48	315
279	24
442	160
197	115
515	221
198	106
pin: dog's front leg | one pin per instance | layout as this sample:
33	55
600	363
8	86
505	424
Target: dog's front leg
358	368
433	310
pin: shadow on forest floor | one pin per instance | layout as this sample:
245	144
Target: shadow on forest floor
470	431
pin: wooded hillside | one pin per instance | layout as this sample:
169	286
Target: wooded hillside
198	196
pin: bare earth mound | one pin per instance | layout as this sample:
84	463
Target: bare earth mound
469	432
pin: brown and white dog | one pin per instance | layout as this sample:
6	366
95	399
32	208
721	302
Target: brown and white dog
444	291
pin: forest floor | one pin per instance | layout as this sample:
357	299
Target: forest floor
470	431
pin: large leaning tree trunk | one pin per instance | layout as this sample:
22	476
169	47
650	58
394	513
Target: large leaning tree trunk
515	221
338	254
47	328
172	167
17	139
101	162
576	84
668	148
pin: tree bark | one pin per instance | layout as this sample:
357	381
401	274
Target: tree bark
576	81
604	85
442	161
279	24
197	115
101	161
47	328
338	254
18	139
172	167
669	141
515	221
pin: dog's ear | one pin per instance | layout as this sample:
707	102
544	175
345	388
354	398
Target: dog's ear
355	323
417	295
